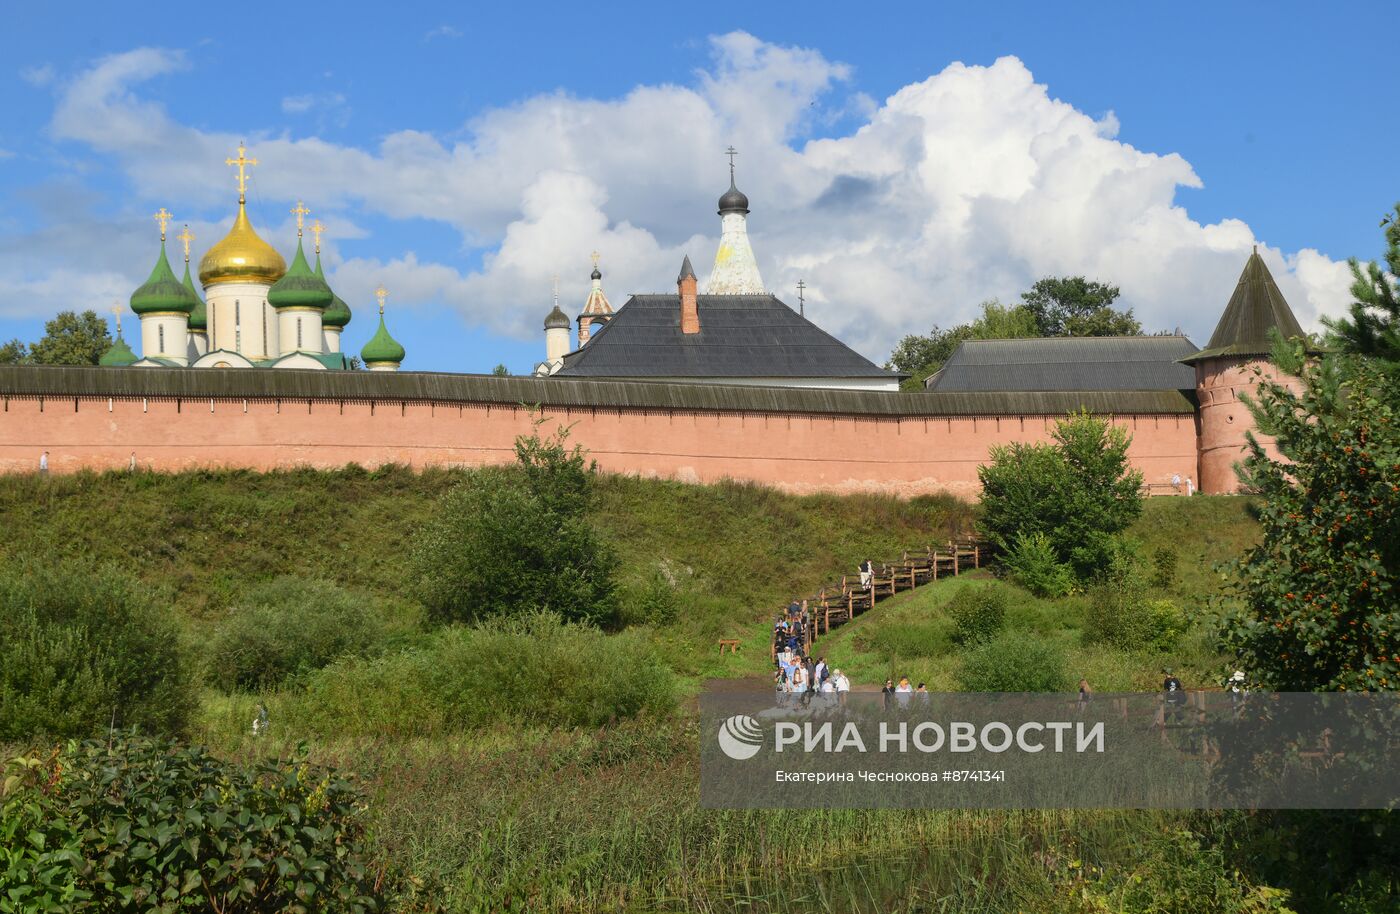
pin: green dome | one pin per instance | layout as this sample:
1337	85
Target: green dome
300	288
382	347
163	292
118	356
338	313
199	317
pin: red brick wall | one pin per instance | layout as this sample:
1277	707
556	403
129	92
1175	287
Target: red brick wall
799	453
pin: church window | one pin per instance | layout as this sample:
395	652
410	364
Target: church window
237	313
160	335
298	333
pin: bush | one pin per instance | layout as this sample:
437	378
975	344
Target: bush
978	613
83	649
288	627
135	825
1079	491
655	603
538	669
1014	662
1033	563
511	541
1120	615
1164	562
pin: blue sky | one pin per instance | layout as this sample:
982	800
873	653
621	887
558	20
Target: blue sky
462	155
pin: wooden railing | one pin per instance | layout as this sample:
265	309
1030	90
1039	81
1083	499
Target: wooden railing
838	603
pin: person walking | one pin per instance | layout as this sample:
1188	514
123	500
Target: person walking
843	687
867	573
1173	695
44	464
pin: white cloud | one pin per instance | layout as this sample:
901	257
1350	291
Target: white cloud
39	75
969	184
442	31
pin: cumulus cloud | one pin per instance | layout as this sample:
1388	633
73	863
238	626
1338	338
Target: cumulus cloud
967	185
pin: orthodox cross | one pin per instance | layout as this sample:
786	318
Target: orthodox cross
731	152
556	289
242	162
186	236
801	302
381	293
164	219
316	229
117	313
300	212
595	255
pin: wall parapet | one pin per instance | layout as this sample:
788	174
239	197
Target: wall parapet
31	381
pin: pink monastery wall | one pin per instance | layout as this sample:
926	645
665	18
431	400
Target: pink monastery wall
799	453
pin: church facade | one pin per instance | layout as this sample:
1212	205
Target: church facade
735	332
255	311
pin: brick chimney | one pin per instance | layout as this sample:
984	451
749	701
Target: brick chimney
690	309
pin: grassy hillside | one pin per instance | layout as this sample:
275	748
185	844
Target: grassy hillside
735	552
912	634
475	812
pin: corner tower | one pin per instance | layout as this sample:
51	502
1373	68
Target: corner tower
1227	367
735	271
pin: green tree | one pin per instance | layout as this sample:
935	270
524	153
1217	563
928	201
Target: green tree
1079	491
501	371
920	356
1373	327
1074	306
13	353
509	541
72	339
1318	606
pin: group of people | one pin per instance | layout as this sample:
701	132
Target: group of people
800	676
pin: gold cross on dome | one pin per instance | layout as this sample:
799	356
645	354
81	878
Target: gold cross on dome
316	229
117	313
595	255
381	293
163	218
300	211
186	236
242	162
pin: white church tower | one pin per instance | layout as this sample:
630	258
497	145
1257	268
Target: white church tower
735	271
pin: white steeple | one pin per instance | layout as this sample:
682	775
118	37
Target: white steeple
735	271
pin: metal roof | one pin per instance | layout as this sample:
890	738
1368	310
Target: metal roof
741	336
1068	363
556	392
1256	308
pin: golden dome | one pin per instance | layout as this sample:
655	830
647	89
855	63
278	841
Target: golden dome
241	257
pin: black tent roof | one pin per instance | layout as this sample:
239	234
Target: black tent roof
741	336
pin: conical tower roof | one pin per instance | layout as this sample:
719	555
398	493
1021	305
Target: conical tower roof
199	317
1257	308
337	314
300	287
118	355
162	292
